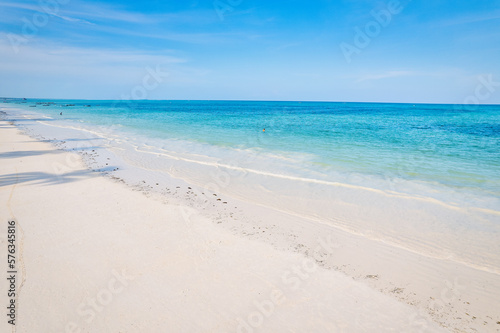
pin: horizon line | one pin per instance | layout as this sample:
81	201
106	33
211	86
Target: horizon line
239	100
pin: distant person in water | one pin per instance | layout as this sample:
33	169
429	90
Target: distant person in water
60	114
264	130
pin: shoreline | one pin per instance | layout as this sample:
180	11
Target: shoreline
415	217
379	266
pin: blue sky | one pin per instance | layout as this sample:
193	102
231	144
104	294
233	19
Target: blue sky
419	51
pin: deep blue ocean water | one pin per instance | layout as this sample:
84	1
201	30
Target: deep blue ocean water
440	144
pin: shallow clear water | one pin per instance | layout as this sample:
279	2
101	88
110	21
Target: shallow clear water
421	177
440	144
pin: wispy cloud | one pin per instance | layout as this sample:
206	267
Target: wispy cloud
103	18
493	15
103	12
55	56
72	19
443	73
20	5
77	11
47	70
55	11
385	75
115	20
284	46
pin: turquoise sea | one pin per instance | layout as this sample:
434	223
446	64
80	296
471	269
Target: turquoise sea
425	178
450	145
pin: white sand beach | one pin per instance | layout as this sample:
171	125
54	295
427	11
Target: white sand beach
233	166
97	255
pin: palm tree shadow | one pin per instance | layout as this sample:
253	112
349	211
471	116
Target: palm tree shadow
44	178
25	153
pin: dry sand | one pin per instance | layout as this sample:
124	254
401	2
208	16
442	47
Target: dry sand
93	255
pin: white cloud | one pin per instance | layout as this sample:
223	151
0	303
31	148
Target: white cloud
71	19
53	11
385	75
48	70
40	56
494	15
73	11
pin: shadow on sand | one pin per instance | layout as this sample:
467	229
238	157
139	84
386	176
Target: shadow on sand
26	153
44	178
